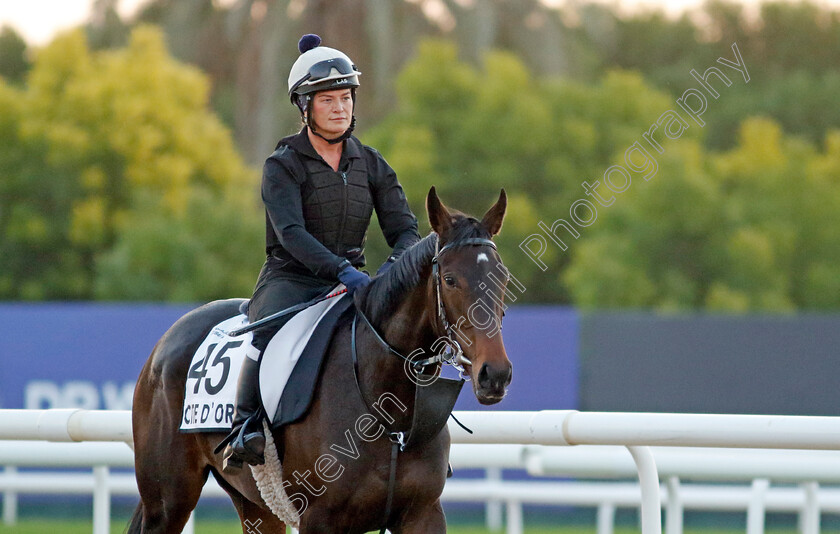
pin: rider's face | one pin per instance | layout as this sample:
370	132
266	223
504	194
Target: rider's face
332	112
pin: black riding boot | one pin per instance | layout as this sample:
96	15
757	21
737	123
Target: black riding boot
246	440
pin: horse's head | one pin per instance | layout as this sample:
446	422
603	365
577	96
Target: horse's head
472	281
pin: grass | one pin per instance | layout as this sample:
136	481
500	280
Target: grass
33	526
227	527
218	527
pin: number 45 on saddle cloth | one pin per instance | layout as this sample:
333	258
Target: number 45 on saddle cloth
289	368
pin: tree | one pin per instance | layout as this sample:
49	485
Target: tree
248	47
103	145
13	62
750	229
790	49
105	28
473	131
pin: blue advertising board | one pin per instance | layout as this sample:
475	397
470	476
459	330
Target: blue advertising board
542	344
88	355
77	354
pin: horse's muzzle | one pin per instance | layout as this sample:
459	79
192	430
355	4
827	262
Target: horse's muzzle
492	383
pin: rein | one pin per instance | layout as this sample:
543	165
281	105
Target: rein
452	355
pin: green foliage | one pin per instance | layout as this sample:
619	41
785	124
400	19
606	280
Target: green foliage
744	230
750	228
115	164
13	62
472	132
802	102
119	184
780	40
790	49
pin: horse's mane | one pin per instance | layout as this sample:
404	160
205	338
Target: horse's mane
380	299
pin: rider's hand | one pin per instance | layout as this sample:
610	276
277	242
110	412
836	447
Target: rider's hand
353	278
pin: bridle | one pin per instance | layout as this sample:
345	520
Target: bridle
453	354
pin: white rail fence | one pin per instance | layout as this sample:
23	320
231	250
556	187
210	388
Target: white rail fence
518	432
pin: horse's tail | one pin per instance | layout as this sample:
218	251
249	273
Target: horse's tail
135	526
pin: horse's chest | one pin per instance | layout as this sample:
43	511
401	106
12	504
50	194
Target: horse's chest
346	489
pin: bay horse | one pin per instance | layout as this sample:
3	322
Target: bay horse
430	293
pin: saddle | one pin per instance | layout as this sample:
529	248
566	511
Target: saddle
303	341
289	368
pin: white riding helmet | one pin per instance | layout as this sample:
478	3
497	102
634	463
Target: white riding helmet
320	68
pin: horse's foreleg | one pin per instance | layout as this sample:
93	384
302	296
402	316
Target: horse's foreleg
428	519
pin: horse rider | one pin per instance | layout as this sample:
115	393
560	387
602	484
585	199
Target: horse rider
319	188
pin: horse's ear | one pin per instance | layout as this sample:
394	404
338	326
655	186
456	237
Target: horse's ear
492	220
439	216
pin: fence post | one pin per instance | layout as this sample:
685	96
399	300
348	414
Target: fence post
674	512
493	508
515	521
10	500
189	528
809	517
755	510
606	518
651	507
101	501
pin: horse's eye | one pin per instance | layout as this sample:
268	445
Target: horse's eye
450	280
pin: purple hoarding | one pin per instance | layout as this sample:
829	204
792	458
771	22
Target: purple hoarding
77	355
89	355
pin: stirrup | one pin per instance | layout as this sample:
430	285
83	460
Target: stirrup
234	459
232	463
237	430
246	447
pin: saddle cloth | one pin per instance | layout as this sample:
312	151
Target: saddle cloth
293	357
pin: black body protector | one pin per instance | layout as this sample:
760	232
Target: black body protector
337	207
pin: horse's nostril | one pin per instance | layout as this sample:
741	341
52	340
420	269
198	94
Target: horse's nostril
483	377
494	377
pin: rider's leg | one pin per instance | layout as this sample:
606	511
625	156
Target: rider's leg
248	444
274	292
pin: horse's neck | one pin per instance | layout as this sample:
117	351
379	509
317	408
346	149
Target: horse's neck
406	330
410	327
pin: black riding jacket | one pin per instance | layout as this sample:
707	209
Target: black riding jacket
317	218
